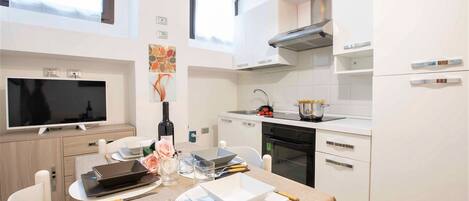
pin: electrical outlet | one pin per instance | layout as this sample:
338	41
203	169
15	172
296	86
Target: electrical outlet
72	73
193	136
205	130
161	20
51	72
162	34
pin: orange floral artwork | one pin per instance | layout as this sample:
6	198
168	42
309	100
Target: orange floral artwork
162	87
162	59
162	72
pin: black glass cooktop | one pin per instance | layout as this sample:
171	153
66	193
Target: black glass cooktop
296	117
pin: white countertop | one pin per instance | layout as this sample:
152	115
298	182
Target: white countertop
347	125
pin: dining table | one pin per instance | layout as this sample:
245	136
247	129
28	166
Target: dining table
84	164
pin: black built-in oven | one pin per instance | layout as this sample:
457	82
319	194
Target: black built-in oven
292	149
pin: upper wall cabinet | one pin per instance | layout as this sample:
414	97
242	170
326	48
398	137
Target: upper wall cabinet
256	26
353	25
420	36
353	36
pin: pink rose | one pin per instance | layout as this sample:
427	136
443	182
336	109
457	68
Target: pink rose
164	148
151	162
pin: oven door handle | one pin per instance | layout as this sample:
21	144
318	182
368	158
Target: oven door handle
302	147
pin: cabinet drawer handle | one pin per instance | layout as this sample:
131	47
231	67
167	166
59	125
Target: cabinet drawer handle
53	179
339	163
242	65
436	81
357	45
227	120
249	124
264	61
92	144
95	143
437	63
348	146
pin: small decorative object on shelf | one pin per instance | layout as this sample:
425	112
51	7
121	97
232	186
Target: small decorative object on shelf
166	127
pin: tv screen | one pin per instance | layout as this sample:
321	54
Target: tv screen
42	102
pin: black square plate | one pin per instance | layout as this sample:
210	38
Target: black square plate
94	189
119	173
217	155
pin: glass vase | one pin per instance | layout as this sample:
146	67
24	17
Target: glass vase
169	171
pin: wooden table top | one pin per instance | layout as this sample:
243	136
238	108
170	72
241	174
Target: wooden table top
170	193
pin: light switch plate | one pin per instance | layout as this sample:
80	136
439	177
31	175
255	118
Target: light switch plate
161	20
162	34
205	130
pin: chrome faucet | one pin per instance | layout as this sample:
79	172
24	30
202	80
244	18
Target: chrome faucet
266	95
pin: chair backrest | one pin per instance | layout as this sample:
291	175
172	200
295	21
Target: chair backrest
250	155
112	147
39	192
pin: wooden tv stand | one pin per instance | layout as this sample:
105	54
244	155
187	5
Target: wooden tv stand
24	153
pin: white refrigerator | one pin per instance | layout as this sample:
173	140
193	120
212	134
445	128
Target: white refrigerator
420	101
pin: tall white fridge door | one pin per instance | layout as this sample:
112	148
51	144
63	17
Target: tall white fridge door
423	32
420	137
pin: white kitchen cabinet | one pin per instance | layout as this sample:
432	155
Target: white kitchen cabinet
239	132
420	140
353	36
342	165
357	147
345	179
407	32
255	27
352	26
241	51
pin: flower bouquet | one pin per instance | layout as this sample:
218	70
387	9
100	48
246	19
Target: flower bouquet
162	161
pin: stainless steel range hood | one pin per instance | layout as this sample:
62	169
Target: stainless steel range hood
317	35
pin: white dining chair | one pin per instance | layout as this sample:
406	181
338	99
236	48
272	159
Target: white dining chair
39	192
105	148
109	148
250	155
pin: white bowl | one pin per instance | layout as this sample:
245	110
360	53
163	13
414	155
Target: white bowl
136	147
238	187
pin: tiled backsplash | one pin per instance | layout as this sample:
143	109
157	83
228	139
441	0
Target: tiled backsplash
313	78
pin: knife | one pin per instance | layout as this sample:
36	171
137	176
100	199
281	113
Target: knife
289	196
237	166
137	196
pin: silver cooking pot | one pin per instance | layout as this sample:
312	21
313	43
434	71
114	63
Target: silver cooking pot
311	109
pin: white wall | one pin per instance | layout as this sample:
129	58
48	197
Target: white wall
18	36
312	78
210	93
115	74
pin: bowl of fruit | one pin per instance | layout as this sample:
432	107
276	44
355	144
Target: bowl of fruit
265	110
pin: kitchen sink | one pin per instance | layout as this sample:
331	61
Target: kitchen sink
246	112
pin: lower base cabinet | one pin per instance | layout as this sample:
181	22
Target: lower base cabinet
346	179
23	154
19	161
239	132
342	165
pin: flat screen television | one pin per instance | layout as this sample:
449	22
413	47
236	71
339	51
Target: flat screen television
44	102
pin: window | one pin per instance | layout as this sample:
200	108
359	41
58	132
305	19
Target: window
212	21
93	10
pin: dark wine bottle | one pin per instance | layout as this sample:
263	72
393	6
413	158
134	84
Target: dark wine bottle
89	111
166	127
